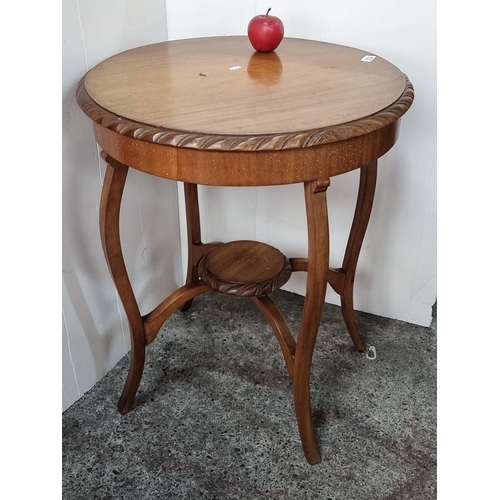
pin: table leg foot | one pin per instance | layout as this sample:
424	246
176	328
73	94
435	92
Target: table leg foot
136	367
346	303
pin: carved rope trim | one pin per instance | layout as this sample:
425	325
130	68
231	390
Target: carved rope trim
160	135
244	289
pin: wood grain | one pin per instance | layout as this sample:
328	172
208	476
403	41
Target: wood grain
109	223
245	268
280	329
196	248
248	168
306	94
318	255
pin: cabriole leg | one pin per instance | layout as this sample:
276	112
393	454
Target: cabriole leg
318	259
366	194
109	218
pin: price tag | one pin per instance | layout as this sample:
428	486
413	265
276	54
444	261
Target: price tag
368	58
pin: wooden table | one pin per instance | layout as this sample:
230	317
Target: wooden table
214	112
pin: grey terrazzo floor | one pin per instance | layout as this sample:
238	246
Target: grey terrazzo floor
214	416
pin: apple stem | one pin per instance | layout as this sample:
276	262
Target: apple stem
267	13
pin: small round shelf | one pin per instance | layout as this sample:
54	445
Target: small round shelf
244	268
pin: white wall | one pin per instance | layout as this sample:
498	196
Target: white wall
95	333
397	267
396	274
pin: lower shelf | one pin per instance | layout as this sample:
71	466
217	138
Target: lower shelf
245	268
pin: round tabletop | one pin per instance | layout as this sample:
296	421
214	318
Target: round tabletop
218	93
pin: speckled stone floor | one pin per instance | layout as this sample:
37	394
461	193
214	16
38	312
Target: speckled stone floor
214	417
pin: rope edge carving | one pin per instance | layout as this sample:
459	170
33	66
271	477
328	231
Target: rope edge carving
242	289
293	140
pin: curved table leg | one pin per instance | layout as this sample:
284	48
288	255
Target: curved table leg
318	259
366	193
109	217
193	234
196	249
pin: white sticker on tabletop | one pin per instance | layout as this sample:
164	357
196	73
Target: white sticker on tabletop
368	58
234	68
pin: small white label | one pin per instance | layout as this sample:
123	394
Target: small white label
368	58
233	68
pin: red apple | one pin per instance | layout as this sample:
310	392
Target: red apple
265	32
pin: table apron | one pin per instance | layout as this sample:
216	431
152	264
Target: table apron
247	168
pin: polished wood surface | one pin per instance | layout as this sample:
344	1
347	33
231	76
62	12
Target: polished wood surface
109	223
211	111
245	268
248	168
327	111
191	87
